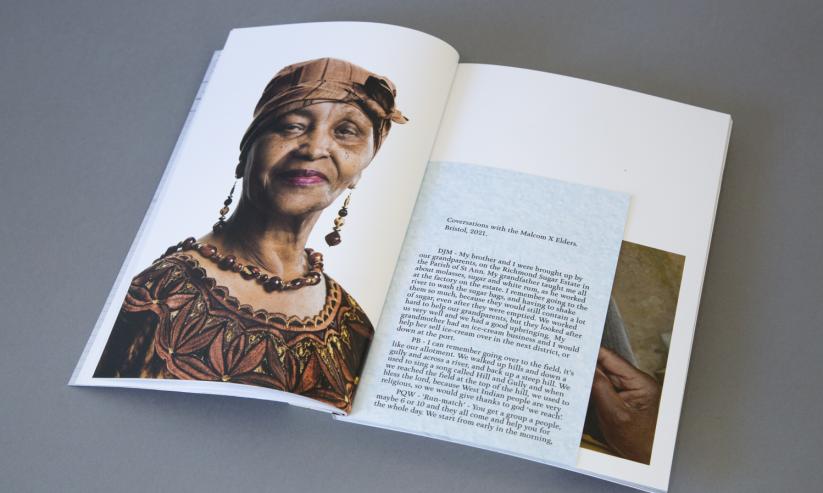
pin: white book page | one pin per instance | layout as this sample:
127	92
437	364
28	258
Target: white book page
201	170
667	156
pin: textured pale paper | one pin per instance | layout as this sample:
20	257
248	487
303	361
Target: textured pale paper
590	217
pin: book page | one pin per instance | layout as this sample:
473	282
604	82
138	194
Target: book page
493	322
360	105
669	158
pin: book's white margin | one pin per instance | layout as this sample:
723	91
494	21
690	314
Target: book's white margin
599	465
114	293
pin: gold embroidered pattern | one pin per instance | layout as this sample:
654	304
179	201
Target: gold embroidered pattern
176	322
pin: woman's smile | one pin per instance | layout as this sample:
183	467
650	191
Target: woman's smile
302	177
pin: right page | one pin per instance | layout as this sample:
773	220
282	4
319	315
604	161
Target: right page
668	157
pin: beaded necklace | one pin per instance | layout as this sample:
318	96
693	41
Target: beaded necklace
251	272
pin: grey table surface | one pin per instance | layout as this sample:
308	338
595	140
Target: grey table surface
94	93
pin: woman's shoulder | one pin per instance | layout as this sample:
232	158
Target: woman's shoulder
350	313
165	279
174	267
335	290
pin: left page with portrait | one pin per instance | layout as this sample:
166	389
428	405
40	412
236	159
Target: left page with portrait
266	254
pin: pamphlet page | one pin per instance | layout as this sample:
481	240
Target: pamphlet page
491	329
668	157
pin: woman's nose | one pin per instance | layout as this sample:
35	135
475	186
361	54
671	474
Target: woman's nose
315	145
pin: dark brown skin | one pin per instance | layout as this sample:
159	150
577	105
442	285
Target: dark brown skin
274	216
626	401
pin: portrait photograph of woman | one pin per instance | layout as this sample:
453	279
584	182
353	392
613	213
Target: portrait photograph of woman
276	261
248	302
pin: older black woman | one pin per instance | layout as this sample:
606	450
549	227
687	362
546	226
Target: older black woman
248	302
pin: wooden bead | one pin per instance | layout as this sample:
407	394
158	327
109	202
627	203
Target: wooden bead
249	272
274	283
227	262
207	250
295	283
333	238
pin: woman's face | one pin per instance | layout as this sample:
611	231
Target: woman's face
307	158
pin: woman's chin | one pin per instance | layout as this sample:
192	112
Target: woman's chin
300	204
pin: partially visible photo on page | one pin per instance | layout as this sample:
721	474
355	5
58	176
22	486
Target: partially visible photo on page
296	165
634	349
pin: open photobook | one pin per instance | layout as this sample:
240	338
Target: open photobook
352	221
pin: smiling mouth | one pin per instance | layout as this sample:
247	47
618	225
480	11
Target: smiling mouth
302	177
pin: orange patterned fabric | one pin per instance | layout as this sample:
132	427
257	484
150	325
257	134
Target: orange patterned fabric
177	323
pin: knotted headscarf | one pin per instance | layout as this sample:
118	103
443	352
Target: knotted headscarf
325	80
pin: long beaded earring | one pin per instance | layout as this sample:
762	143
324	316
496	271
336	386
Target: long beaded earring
221	221
333	238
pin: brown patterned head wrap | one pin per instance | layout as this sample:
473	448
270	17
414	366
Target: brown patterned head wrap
325	80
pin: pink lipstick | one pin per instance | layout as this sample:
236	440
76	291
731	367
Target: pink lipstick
302	177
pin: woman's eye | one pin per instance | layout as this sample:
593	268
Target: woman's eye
293	127
348	130
289	128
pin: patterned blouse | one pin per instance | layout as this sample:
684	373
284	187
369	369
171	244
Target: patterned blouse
178	323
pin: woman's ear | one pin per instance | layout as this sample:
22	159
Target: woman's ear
239	170
355	180
359	174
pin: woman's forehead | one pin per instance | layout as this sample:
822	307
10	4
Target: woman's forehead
331	109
